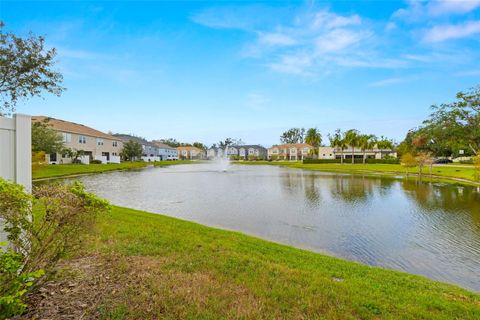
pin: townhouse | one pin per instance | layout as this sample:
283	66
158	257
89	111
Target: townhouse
165	152
336	153
290	151
190	153
242	152
95	144
150	152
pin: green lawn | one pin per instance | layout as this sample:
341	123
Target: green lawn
60	170
173	269
464	172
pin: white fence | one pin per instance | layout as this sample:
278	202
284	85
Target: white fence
15	153
15	149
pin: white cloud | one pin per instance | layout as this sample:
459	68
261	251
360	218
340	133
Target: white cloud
337	40
387	82
418	11
298	64
276	39
444	7
327	20
257	101
452	31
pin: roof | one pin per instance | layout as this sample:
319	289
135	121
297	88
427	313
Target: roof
189	148
292	145
162	145
128	137
72	127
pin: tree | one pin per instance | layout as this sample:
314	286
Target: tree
385	144
351	139
450	128
313	137
476	163
293	135
408	161
25	69
366	142
337	140
424	159
74	154
200	145
131	151
45	138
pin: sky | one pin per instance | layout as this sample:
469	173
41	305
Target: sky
204	71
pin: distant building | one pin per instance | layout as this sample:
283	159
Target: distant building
95	144
190	153
336	153
150	151
165	152
295	151
243	152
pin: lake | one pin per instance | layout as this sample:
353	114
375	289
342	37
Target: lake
430	229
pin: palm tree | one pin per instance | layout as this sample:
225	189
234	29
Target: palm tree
351	138
366	142
384	143
338	141
313	138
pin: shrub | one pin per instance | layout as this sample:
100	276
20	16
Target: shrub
96	162
40	230
357	161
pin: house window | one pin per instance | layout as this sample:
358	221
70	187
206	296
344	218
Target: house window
305	150
82	139
114	144
99	142
67	137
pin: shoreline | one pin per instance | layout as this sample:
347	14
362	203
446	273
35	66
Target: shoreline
332	168
196	271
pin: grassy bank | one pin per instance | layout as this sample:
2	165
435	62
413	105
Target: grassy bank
61	170
145	266
465	173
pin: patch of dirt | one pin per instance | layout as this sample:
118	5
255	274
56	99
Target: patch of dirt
76	290
96	286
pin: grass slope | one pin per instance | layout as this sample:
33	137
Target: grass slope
61	170
463	172
181	270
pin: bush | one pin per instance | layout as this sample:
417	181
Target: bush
357	161
96	162
40	230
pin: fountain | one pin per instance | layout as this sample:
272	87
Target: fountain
222	161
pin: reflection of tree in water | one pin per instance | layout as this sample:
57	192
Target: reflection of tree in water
450	198
294	182
354	188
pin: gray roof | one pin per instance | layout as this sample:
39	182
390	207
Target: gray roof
128	137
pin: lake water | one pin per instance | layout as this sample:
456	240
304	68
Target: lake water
430	229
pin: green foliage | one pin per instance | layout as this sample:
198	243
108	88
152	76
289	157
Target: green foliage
40	232
476	163
200	145
293	135
386	160
450	128
45	138
132	150
74	154
408	161
14	284
25	69
96	162
313	138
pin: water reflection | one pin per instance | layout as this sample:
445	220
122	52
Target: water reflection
426	228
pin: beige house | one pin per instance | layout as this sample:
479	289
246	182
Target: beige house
295	151
96	144
336	153
190	153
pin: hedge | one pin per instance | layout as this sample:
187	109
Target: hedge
357	161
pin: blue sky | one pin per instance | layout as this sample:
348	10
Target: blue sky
203	71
